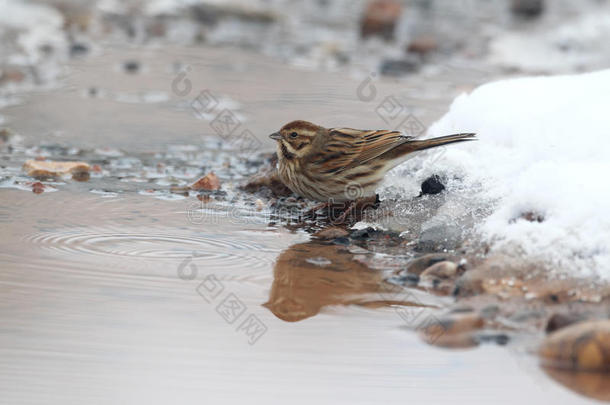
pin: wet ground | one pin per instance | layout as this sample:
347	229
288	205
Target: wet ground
126	288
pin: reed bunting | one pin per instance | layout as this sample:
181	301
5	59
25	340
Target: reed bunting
338	165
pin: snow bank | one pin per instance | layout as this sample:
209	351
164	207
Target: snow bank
544	148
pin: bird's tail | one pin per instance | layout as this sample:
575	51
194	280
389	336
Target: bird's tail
440	141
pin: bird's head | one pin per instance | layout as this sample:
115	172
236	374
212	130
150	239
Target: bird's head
296	139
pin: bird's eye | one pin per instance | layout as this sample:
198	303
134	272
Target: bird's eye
293	134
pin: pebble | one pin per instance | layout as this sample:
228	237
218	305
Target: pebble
341	241
78	49
131	66
49	168
432	185
527	8
423	44
208	182
559	321
592	385
455	331
260	205
442	270
399	67
380	18
11	75
583	346
38	188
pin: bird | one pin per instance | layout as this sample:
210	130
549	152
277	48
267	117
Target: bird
340	165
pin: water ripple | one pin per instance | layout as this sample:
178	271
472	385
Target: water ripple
216	249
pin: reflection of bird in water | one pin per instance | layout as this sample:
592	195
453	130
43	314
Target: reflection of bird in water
590	384
309	276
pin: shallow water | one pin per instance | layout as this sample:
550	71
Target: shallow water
112	291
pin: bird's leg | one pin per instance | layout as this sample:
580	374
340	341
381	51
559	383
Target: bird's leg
360	205
343	216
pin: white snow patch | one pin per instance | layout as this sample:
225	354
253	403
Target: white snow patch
544	147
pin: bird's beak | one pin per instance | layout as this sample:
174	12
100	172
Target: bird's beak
275	136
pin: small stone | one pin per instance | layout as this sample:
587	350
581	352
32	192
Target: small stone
343	241
49	168
579	347
380	18
131	66
455	331
399	67
432	185
81	176
5	135
13	75
559	321
260	205
501	339
331	232
527	8
181	190
78	49
38	187
363	234
442	270
423	44
591	385
208	182
204	198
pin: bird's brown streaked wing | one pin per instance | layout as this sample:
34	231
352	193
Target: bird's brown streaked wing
348	147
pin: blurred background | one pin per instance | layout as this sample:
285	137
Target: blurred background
274	60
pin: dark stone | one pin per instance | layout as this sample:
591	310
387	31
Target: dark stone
558	321
131	66
498	338
410	280
399	67
341	241
363	234
78	49
432	185
527	8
